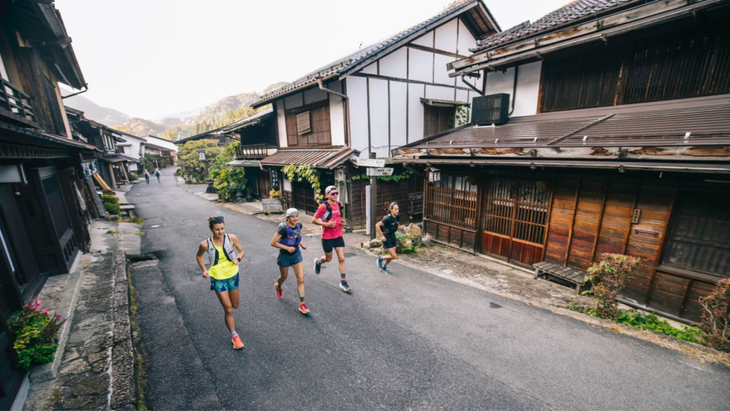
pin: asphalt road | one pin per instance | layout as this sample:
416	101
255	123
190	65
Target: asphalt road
408	340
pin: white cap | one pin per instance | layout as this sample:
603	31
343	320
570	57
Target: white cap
292	211
328	189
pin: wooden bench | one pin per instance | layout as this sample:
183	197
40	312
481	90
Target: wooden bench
568	274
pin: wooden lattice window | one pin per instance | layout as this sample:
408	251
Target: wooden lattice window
453	200
304	124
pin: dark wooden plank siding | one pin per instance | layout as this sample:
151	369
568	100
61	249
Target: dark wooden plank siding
388	191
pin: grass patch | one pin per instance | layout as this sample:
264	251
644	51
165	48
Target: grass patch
139	233
133	220
140	354
113	232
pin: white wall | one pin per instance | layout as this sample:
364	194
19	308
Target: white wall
337	115
528	87
281	123
388	93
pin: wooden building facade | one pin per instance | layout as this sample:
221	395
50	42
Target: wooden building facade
618	142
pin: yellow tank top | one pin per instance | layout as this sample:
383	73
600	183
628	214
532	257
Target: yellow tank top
224	269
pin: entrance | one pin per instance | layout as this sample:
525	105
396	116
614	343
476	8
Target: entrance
515	219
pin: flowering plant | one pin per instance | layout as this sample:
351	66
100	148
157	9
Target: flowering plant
34	333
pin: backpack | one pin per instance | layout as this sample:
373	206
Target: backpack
228	250
293	235
328	214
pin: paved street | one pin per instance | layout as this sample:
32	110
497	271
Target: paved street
408	340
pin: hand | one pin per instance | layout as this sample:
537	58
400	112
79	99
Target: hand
331	224
291	249
205	274
236	261
343	222
303	246
384	239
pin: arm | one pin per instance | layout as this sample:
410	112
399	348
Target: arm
379	230
202	248
239	249
316	220
276	244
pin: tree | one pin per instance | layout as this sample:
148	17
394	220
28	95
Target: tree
123	129
192	169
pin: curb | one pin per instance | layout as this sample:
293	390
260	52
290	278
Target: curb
67	308
123	386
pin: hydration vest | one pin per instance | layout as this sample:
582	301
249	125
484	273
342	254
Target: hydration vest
328	214
293	235
228	250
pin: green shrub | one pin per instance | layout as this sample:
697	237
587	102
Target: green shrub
608	278
109	199
109	192
229	181
112	208
133	176
34	334
651	322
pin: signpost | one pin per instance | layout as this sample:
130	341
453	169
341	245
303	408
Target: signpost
383	171
370	162
376	167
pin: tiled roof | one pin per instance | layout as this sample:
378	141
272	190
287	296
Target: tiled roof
256	118
346	63
564	16
318	158
666	123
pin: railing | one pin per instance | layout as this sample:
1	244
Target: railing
15	101
252	151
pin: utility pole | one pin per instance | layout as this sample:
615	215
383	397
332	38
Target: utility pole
373	199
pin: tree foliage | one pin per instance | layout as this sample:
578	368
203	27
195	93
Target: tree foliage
716	316
608	278
191	168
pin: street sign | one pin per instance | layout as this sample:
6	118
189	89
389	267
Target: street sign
387	171
370	162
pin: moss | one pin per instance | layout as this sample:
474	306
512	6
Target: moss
140	354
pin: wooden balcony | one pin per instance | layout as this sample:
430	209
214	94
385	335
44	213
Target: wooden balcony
251	152
15	105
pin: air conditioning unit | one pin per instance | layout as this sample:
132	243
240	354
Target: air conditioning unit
491	109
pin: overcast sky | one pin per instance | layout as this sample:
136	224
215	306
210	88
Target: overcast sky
153	58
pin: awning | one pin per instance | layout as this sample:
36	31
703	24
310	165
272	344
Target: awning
47	137
244	163
317	158
442	103
113	159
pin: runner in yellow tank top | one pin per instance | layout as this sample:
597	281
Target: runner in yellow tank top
223	272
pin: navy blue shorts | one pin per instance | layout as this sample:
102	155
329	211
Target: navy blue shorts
286	260
389	243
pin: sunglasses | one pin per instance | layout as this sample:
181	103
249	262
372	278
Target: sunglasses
333	193
218	219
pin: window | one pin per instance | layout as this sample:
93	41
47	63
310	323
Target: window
437	119
452	200
304	124
309	125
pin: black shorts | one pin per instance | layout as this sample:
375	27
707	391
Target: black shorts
389	243
328	245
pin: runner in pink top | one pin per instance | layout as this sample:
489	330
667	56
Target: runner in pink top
329	216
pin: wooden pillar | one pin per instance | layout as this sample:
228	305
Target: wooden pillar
572	220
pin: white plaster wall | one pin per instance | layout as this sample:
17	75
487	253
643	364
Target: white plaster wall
371	69
441	75
358	103
378	118
528	87
395	64
415	112
398	116
314	95
420	65
281	123
446	36
426	40
466	40
441	93
462	95
337	117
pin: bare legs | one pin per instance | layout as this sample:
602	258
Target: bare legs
327	257
298	271
390	257
229	301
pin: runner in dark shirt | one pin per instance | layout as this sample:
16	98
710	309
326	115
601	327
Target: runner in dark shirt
288	239
386	230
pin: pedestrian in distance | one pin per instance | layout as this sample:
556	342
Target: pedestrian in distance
224	255
288	239
329	216
157	174
386	230
147	176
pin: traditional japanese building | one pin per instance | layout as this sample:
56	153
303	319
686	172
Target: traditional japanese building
605	128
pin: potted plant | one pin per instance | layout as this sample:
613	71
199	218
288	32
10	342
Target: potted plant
35	334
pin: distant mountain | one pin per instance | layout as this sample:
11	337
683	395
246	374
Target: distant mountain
93	111
141	127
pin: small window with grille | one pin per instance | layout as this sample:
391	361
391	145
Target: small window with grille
304	124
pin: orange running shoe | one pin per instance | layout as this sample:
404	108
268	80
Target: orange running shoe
279	292
303	309
237	344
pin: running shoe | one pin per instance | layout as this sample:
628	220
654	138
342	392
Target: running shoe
385	269
379	261
346	288
279	291
237	344
303	309
317	266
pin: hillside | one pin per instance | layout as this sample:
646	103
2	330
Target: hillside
141	127
93	111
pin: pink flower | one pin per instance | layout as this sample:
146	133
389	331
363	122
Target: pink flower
58	316
46	312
